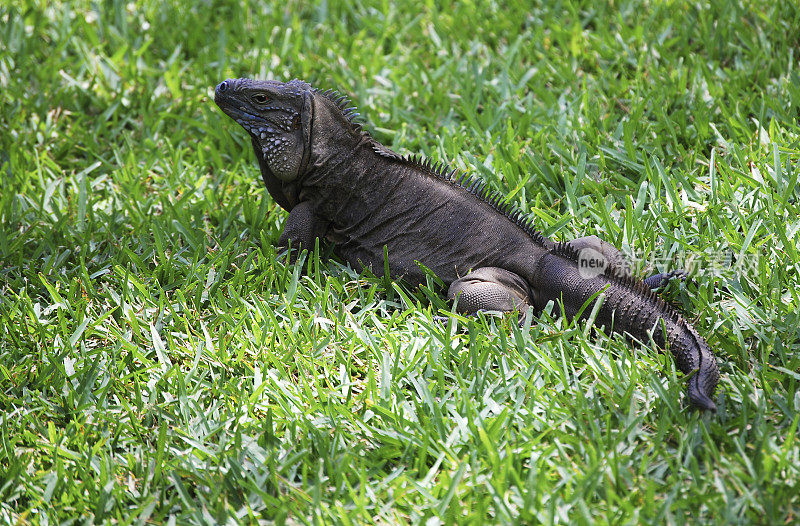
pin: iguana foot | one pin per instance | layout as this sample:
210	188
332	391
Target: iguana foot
659	280
290	255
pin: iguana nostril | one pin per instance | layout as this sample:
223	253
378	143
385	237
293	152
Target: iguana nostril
223	86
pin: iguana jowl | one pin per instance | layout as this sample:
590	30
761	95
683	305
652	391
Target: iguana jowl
339	183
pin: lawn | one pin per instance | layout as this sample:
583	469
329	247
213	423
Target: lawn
160	363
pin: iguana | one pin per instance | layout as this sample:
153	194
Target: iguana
340	184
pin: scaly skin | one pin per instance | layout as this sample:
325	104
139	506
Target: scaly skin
341	185
630	307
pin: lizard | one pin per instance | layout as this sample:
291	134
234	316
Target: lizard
385	211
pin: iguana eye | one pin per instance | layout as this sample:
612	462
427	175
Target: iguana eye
261	99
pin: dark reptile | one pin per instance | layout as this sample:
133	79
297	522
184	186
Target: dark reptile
340	184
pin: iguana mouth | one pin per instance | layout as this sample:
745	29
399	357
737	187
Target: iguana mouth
234	111
250	122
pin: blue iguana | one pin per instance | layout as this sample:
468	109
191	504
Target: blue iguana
339	184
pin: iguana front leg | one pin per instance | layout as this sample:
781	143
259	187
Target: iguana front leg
301	229
491	288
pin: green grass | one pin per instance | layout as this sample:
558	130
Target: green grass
158	363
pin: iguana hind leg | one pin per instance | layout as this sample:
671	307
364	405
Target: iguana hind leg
595	248
611	255
490	288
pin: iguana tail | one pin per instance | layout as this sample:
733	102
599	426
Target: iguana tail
629	307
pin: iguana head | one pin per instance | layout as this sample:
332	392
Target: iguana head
278	117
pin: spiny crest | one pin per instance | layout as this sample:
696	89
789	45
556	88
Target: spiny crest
638	287
629	282
473	185
479	189
383	151
613	274
668	309
344	104
567	251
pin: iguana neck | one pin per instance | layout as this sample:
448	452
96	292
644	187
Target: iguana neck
347	161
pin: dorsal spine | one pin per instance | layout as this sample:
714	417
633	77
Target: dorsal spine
631	283
479	188
440	170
